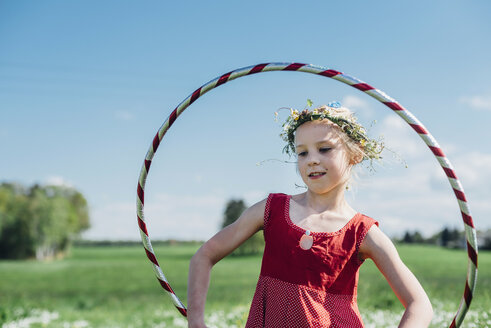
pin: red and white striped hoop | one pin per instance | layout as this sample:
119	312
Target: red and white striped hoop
417	126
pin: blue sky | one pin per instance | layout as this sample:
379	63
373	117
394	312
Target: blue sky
85	85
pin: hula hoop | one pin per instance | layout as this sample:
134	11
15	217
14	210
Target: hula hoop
417	126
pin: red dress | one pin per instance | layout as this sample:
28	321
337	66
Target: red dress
307	288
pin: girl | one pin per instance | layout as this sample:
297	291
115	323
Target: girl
315	241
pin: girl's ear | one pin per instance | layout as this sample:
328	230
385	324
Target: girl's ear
355	159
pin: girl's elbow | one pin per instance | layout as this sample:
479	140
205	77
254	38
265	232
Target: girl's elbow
427	308
198	258
423	310
204	256
427	315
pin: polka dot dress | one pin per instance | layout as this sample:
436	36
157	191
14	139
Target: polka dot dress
313	287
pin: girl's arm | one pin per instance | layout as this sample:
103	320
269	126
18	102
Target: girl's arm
219	246
378	247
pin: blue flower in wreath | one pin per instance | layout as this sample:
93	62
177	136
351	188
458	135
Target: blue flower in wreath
334	104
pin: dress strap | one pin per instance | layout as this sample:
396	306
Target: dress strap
275	207
267	210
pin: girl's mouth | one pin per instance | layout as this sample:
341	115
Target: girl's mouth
316	175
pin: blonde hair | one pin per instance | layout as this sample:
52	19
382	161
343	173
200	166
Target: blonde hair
353	134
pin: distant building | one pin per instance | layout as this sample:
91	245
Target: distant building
484	239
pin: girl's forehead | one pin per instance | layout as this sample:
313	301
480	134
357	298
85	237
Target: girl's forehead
317	131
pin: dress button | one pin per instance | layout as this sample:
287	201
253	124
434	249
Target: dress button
306	241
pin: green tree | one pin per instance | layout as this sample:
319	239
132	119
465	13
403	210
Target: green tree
445	237
408	238
16	232
412	238
418	238
233	210
40	221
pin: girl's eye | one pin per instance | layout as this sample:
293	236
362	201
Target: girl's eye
324	150
302	154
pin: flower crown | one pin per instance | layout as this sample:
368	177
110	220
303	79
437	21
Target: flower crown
371	147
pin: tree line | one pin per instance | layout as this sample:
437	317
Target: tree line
39	221
447	237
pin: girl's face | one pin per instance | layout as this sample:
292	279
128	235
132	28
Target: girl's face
323	160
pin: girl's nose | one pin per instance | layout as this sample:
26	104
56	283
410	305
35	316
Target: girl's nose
313	160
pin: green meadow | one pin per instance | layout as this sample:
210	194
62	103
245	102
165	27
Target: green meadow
116	287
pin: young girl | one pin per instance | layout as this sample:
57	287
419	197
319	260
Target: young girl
315	241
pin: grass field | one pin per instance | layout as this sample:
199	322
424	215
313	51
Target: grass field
115	287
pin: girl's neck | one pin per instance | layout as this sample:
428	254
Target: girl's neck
333	202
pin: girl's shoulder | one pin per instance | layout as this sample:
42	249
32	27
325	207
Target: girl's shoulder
278	195
371	237
367	220
276	199
363	225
